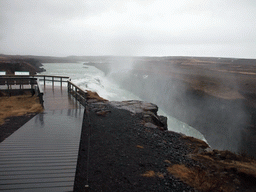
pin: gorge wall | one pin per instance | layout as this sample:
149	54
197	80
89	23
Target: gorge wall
215	96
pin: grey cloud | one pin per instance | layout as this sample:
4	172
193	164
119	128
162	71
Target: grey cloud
155	27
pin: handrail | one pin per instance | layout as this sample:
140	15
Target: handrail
73	89
52	76
30	79
53	79
69	82
18	81
40	93
12	75
77	92
19	77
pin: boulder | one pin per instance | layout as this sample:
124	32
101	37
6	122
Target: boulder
147	111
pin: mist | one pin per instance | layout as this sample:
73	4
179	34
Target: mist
192	90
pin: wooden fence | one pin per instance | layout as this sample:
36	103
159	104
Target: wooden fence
32	84
77	92
52	78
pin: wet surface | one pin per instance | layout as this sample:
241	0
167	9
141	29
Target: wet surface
42	154
58	98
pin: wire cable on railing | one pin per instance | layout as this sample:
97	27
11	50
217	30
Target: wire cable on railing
88	145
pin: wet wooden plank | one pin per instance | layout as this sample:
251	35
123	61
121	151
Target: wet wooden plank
42	154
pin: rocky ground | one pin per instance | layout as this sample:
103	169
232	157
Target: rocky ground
124	149
125	155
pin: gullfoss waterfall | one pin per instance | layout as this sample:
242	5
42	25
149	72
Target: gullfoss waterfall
90	78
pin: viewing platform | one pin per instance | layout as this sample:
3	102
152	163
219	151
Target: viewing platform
42	154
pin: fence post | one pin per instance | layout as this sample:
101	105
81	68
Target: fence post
8	87
44	80
76	92
31	83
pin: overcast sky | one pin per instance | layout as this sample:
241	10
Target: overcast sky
219	28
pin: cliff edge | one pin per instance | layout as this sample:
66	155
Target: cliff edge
119	151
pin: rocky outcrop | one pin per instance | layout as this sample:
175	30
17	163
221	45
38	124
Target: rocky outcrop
146	111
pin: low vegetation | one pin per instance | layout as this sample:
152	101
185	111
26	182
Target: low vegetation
218	171
94	95
18	106
152	173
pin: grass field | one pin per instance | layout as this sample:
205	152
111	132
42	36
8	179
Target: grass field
18	106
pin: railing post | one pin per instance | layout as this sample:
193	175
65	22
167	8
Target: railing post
31	83
76	92
8	87
52	81
44	80
40	92
61	82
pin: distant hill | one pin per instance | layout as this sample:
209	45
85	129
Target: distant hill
10	64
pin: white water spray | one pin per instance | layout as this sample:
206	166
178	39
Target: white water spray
91	78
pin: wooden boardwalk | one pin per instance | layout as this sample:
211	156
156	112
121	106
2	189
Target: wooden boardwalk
42	154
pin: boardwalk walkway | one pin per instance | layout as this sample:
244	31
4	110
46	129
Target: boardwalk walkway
42	154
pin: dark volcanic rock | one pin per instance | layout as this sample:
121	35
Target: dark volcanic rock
148	111
117	151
